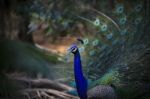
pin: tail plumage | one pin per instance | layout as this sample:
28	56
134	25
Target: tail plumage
116	47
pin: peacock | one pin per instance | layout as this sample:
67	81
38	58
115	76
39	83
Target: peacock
114	52
81	81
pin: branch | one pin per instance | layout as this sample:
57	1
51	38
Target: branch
42	83
48	93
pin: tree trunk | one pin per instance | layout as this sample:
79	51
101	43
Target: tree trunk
14	25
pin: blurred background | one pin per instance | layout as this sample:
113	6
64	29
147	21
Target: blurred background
35	36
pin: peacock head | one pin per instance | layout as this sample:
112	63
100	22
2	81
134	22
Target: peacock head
74	48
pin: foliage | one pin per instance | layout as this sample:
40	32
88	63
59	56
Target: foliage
24	57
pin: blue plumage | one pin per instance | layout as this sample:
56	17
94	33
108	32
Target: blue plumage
80	80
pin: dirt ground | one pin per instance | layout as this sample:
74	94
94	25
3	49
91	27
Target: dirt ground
60	44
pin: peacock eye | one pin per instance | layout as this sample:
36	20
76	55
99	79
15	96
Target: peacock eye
103	27
119	8
74	49
138	7
97	22
122	20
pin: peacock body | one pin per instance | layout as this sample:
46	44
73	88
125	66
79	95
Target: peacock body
98	92
115	52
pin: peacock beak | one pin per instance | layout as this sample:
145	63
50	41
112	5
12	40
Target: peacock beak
69	50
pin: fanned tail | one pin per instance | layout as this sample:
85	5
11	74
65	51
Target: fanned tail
116	47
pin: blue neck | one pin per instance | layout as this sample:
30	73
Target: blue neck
80	80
